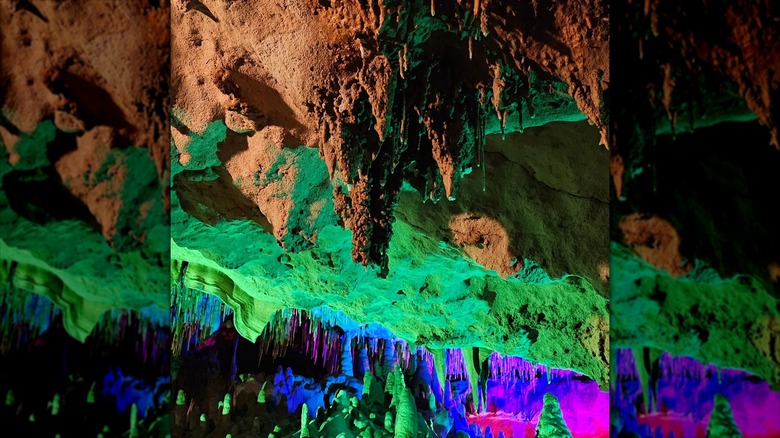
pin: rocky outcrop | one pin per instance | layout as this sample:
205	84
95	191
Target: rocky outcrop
694	236
389	92
83	162
351	156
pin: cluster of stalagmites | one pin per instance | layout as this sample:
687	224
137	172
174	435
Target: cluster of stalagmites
398	403
131	395
374	387
412	103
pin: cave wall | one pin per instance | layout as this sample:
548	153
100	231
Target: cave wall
395	161
84	163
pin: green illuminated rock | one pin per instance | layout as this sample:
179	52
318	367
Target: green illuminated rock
103	204
551	423
722	424
305	421
406	422
726	322
329	207
181	399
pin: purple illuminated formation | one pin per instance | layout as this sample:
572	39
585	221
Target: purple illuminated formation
312	356
515	396
679	396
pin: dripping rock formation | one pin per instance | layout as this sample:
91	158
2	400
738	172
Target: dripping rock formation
693	225
438	167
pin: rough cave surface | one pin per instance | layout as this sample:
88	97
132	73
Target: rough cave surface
83	162
84	218
321	374
420	165
695	243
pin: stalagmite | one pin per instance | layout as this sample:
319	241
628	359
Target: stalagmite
370	393
305	421
54	405
181	399
722	424
134	421
406	425
91	394
388	421
261	394
399	385
226	404
551	423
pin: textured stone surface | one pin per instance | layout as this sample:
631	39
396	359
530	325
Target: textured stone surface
83	162
728	322
351	156
435	294
694	165
402	91
688	65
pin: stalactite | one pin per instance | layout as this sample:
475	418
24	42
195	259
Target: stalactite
389	359
471	359
440	364
26	315
194	316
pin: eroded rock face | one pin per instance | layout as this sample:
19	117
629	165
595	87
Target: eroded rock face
402	91
315	148
84	157
435	293
690	218
683	66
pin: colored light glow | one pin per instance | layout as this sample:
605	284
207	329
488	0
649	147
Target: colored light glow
685	393
515	388
515	399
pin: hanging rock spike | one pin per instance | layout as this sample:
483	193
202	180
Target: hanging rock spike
470	360
639	362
